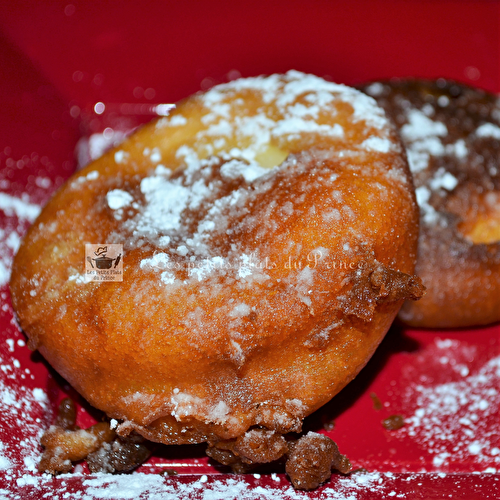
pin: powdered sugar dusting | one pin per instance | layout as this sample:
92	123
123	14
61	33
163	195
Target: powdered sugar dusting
303	104
433	136
452	413
24	410
156	487
24	414
254	487
429	214
244	143
227	488
423	137
456	421
18	212
20	207
443	180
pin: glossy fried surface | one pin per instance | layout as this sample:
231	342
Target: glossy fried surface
452	135
251	295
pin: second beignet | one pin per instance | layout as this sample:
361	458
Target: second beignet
452	134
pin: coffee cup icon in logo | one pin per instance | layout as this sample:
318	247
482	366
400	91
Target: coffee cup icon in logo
102	261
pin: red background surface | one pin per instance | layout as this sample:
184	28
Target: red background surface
57	59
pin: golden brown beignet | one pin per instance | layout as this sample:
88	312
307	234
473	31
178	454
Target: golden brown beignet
452	134
269	231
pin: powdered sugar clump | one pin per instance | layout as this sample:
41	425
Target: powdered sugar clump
117	198
443	180
488	130
236	168
421	127
424	138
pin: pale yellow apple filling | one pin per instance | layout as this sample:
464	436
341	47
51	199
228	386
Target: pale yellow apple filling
482	223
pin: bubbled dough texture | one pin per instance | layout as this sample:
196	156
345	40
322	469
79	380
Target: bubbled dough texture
452	135
180	362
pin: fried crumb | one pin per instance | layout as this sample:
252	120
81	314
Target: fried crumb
256	446
66	444
394	422
121	455
63	447
311	459
377	404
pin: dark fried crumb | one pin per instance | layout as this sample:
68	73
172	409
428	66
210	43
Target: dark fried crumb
377	284
394	422
65	444
392	286
377	404
63	447
121	455
341	462
226	457
260	446
256	446
310	461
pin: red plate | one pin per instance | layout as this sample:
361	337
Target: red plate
58	60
